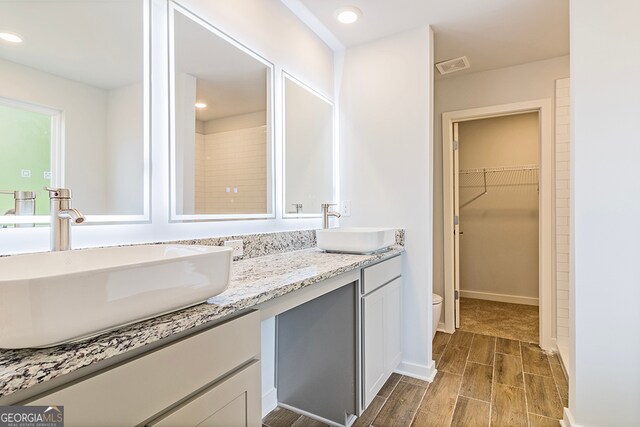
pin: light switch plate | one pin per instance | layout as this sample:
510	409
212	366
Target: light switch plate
345	208
237	245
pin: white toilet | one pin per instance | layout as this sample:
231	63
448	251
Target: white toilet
437	311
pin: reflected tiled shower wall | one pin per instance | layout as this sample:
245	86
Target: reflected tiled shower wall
562	213
231	172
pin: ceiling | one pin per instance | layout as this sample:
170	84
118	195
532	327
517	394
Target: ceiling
93	42
491	33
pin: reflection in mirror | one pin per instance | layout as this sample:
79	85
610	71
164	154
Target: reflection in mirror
222	150
308	149
25	163
72	105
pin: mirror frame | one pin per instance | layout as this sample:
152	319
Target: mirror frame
58	146
287	76
174	216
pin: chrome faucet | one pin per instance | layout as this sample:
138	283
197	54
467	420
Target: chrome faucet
326	213
24	204
298	207
61	215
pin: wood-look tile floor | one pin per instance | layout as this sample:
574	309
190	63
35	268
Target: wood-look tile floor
482	380
500	319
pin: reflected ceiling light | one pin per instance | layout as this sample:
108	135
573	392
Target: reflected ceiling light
348	14
201	105
10	37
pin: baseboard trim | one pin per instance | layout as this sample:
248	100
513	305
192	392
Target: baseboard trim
499	297
269	401
567	420
549	345
421	372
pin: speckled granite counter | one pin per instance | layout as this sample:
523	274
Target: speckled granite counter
254	281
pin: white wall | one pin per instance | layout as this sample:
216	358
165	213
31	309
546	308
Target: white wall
386	164
605	272
85	111
499	247
125	153
525	82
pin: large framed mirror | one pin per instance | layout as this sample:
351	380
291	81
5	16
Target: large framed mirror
308	150
74	108
221	124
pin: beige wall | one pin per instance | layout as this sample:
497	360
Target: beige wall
499	247
494	87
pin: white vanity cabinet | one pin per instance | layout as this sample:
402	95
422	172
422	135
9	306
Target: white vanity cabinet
381	299
210	378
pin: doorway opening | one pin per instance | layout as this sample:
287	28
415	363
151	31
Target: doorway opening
497	209
498	202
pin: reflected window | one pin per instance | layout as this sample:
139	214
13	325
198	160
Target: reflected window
26	145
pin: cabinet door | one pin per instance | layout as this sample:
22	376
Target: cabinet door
392	325
233	403
373	344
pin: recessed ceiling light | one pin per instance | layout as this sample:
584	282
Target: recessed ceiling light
201	105
10	37
348	14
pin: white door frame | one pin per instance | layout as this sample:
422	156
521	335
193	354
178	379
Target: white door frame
546	248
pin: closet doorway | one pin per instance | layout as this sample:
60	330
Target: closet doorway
498	183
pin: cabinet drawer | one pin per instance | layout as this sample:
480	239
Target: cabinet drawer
379	274
143	387
235	402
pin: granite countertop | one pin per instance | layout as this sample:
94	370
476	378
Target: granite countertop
253	281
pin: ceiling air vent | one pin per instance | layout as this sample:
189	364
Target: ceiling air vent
453	65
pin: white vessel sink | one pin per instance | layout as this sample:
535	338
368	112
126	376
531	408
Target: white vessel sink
56	297
362	240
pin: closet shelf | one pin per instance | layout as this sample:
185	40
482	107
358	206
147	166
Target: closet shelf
510	176
499	176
